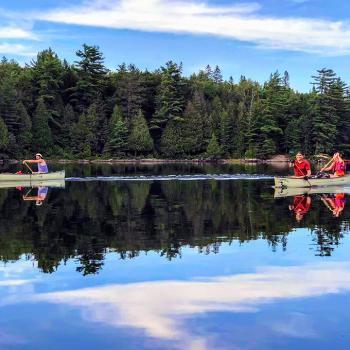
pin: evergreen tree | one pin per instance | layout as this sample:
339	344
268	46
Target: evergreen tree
118	136
3	135
129	91
8	103
24	124
42	137
213	150
170	97
91	72
139	140
67	124
217	76
324	115
172	142
83	134
194	141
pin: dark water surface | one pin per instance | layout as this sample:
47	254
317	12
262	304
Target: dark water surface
174	257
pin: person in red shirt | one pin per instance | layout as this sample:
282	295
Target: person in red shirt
301	205
301	166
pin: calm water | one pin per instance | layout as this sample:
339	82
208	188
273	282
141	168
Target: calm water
173	257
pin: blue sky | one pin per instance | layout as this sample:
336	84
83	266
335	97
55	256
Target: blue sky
253	38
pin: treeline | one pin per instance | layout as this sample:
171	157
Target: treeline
84	110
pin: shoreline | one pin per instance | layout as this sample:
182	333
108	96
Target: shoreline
163	161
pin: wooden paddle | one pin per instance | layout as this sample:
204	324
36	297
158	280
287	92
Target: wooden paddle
305	177
29	167
331	160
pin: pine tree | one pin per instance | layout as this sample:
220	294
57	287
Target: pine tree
139	140
172	142
42	137
3	135
226	133
67	124
129	91
324	114
118	135
194	141
217	76
91	72
170	97
83	137
213	150
24	124
8	104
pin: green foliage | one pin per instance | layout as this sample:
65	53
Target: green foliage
172	143
118	134
3	135
42	136
73	107
139	140
170	97
24	124
213	150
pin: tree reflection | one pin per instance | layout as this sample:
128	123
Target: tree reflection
88	218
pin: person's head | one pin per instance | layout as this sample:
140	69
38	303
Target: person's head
38	156
299	156
299	215
337	157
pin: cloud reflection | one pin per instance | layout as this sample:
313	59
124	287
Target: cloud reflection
161	307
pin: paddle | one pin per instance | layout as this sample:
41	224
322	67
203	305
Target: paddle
29	167
331	160
305	177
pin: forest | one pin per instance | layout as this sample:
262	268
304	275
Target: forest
84	110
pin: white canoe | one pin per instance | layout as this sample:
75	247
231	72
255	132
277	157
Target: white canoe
45	183
282	192
291	181
8	177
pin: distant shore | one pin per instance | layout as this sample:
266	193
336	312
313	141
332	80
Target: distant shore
277	159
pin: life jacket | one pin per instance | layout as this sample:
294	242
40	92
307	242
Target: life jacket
339	200
339	168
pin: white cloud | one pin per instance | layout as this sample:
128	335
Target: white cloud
161	308
240	22
16	49
16	33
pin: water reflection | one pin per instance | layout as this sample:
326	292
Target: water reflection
89	218
164	309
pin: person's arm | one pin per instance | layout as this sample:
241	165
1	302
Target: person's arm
328	168
31	198
31	161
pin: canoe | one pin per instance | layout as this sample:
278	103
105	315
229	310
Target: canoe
282	192
45	183
290	181
57	175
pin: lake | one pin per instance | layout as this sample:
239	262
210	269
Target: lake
178	256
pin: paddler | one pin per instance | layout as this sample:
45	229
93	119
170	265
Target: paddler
301	166
301	205
337	167
39	198
42	166
335	203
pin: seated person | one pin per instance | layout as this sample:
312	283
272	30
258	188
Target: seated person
337	166
301	166
42	166
301	205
